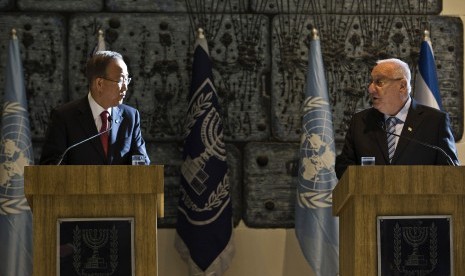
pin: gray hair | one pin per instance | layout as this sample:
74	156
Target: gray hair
402	70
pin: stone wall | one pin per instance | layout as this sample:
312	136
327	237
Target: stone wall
259	50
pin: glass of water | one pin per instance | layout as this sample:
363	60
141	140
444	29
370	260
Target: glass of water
138	160
368	160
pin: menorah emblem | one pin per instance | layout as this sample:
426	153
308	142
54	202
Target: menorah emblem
193	170
415	236
95	239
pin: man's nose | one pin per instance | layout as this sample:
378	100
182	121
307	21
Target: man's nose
371	88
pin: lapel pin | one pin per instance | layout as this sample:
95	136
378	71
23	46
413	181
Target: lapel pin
409	129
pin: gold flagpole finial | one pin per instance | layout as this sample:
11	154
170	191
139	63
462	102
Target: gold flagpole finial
315	34
200	33
101	35
13	34
426	34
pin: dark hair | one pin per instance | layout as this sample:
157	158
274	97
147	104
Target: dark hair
98	63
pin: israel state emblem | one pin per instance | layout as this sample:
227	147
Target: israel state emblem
96	246
414	245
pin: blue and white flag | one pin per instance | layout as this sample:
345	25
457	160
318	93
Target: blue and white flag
426	82
316	229
15	153
204	226
100	46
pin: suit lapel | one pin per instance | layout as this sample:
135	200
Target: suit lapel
412	122
87	123
377	123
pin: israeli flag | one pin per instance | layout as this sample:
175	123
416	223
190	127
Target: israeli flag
316	229
426	82
15	154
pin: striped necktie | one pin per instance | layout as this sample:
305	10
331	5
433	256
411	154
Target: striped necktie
391	141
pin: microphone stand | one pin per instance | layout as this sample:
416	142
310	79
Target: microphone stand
443	152
83	141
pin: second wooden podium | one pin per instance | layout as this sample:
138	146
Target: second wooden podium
364	193
56	192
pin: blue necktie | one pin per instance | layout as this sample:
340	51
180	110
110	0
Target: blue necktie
391	142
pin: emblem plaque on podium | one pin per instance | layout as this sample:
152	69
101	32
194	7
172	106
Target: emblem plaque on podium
95	246
414	245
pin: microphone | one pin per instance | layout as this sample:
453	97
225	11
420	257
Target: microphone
110	120
443	152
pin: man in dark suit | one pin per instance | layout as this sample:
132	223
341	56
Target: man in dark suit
73	122
101	111
367	136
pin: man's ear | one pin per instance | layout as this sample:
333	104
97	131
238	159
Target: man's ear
98	83
403	86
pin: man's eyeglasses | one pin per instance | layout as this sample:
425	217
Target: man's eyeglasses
120	82
383	81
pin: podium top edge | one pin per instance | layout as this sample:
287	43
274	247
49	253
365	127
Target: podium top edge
402	179
93	179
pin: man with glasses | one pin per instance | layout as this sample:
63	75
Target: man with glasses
425	134
102	114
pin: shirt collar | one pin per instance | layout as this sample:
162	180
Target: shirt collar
95	107
402	115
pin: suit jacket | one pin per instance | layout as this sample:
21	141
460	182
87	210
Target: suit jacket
366	137
73	122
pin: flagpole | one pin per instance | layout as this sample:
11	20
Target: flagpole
315	35
100	45
200	33
426	34
100	35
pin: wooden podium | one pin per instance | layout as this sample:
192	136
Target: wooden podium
363	193
79	191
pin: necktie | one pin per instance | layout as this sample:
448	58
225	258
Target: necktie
104	136
391	141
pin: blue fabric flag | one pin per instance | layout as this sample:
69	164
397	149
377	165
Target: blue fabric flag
204	226
15	153
426	82
316	229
